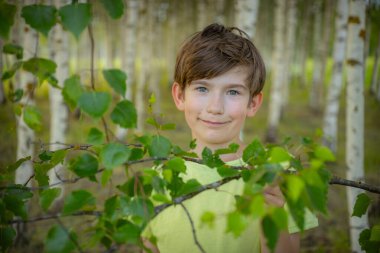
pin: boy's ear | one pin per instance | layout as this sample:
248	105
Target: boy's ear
255	104
178	96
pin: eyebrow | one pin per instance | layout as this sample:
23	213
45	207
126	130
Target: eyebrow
205	82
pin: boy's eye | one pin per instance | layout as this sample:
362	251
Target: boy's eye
201	89
233	92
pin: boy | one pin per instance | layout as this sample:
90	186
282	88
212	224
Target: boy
219	76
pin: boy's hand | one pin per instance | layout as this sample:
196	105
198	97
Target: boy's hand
273	196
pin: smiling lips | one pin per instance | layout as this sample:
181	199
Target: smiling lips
214	123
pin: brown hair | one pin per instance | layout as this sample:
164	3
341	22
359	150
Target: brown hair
216	50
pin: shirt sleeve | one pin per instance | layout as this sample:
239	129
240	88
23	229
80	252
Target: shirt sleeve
311	221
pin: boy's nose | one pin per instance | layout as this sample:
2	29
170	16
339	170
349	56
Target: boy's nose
215	105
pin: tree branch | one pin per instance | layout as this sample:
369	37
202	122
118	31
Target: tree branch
359	184
193	229
56	216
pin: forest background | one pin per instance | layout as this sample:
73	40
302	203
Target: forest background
158	29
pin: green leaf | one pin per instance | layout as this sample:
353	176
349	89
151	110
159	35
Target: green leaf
114	154
232	148
176	164
58	240
280	217
270	231
140	207
257	206
127	233
375	233
7	233
94	103
254	153
78	200
106	175
14	166
110	206
45	155
161	198
168	126
297	210
366	244
316	188
7	16
72	90
40	17
16	205
160	147
236	223
324	153
58	157
193	144
116	79
48	196
40	171
17	95
40	67
294	186
208	218
190	186
84	166
76	17
278	155
125	114
10	73
115	8
226	171
361	205
210	159
33	118
14	49
95	136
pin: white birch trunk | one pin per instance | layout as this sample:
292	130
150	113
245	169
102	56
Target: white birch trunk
219	8
355	113
277	71
59	114
330	123
246	16
25	135
128	60
291	21
315	98
144	52
375	68
2	94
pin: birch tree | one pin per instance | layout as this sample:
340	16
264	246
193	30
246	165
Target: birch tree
2	94
246	16
355	113
59	114
25	135
129	55
330	122
277	71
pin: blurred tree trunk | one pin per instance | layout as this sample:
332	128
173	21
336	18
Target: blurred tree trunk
291	21
202	14
2	94
355	113
129	53
246	16
171	42
277	71
375	69
59	114
25	135
145	53
321	52
330	125
219	9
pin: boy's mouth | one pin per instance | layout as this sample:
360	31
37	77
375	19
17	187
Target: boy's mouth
213	123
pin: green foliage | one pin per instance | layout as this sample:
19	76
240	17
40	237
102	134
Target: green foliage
85	165
95	136
80	200
115	8
94	103
11	72
125	114
114	154
33	118
13	49
116	79
48	196
40	67
160	147
75	17
72	90
369	241
59	240
7	16
361	205
40	17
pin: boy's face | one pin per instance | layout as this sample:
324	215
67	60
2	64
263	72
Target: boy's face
215	109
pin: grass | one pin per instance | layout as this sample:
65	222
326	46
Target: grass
298	120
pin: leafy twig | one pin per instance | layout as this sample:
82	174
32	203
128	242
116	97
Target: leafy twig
55	216
193	229
69	235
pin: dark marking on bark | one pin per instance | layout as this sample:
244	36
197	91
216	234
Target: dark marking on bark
354	20
353	62
356	109
26	29
362	34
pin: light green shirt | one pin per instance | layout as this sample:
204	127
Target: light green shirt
173	230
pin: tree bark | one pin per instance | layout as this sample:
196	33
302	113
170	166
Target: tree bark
277	71
355	113
129	54
330	122
25	135
246	16
59	114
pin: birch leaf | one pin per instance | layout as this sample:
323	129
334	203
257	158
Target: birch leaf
115	8
7	16
76	17
117	80
125	114
40	17
72	90
361	205
94	103
59	241
78	200
33	118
